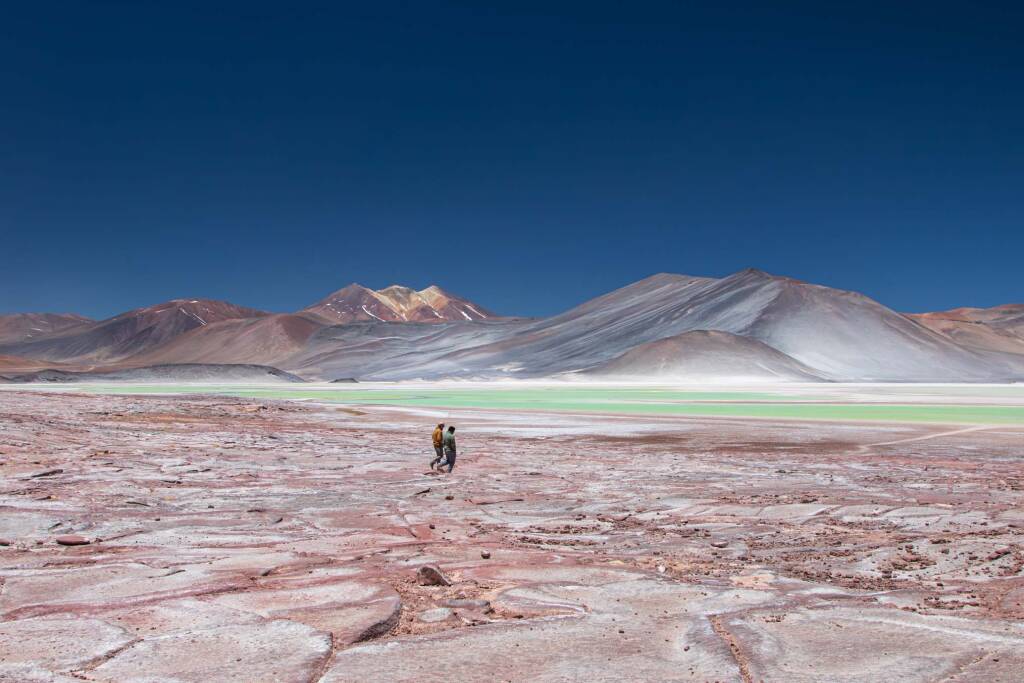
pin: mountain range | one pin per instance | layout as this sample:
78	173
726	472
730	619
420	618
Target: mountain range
750	325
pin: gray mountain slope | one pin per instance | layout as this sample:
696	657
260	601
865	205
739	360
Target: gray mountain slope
839	335
704	355
395	351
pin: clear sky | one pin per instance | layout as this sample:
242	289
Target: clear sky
527	155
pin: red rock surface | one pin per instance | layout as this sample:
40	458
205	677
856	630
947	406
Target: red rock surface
247	540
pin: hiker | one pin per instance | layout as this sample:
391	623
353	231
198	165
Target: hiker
438	439
449	449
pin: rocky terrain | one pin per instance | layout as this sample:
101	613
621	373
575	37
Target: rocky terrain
206	538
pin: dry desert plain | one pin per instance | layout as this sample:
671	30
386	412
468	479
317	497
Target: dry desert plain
813	533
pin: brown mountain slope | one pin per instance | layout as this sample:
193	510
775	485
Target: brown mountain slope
1000	328
18	364
23	327
261	341
129	333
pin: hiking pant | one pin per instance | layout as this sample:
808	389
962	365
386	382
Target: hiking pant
449	457
439	452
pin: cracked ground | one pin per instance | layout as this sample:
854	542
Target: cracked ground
205	538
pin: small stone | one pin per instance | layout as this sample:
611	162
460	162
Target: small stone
5	542
479	605
46	473
72	539
449	497
432	616
431	575
486	554
719	544
471	617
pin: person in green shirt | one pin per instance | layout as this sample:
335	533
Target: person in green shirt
449	450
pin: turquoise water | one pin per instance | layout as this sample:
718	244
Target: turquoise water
629	400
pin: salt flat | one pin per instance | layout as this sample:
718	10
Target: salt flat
598	532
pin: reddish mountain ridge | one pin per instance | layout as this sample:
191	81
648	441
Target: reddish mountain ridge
20	327
1000	328
397	304
129	333
208	331
262	341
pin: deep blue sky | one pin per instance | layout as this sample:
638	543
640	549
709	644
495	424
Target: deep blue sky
528	155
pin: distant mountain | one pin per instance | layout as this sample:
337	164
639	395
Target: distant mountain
20	364
1000	328
702	355
396	351
157	374
356	303
129	333
836	335
265	340
673	327
840	335
21	327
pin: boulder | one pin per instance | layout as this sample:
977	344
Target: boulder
431	575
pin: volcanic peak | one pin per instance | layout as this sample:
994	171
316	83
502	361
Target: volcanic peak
396	303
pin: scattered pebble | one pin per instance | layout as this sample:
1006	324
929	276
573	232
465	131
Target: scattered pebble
72	539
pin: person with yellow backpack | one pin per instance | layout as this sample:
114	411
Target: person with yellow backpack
438	439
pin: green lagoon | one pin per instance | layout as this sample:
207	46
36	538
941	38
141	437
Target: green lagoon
958	405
